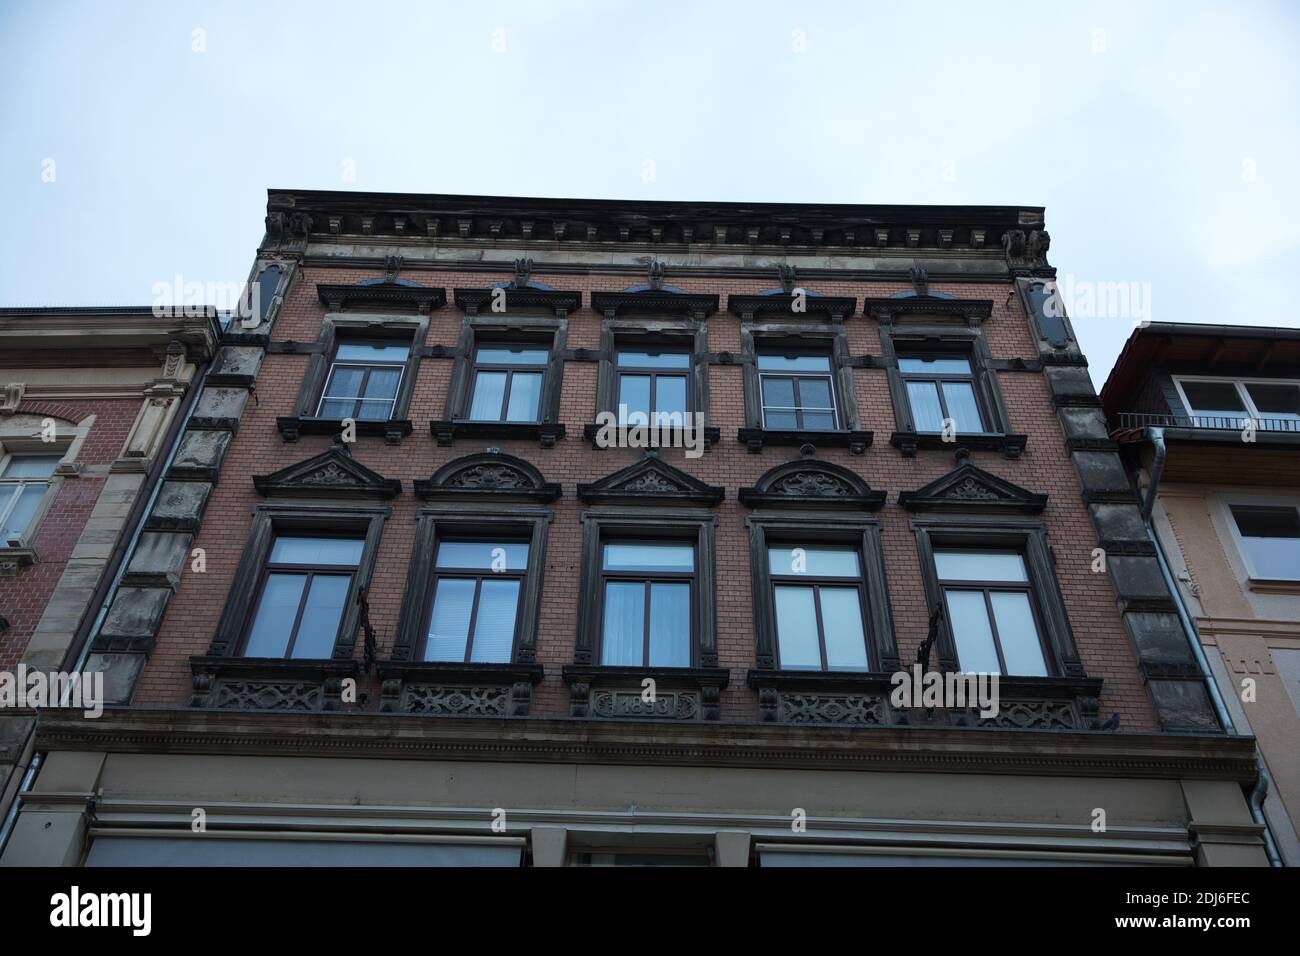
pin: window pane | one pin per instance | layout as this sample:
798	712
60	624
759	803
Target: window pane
7	495
670	625
1277	401
1214	399
494	627
778	402
927	415
453	602
1018	633
316	551
624	631
381	389
819	562
980	566
480	555
819	421
962	407
794	363
649	557
846	643
634	393
356	352
506	356
796	628
969	620
24	509
321	616
670	396
934	366
654	360
489	390
337	408
815	393
525	393
344	384
31	466
1271	537
273	622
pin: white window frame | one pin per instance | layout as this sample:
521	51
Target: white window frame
1238	541
337	363
25	442
829	375
1240	384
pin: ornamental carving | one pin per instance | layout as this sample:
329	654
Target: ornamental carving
971	489
443	701
331	474
630	704
857	709
495	477
266	695
650	482
811	483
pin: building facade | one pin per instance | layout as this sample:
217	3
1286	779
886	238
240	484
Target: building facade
409	593
1209	420
90	407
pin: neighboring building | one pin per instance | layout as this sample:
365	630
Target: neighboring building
1211	413
397	595
89	408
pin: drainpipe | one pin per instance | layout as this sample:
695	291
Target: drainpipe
123	561
1262	781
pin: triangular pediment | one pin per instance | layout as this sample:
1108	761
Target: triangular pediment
490	476
651	479
972	489
809	483
334	474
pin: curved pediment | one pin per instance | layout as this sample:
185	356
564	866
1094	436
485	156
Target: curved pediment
334	474
651	479
809	483
970	489
488	475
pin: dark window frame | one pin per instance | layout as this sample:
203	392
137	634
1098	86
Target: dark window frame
504	522
830	339
327	520
649	334
601	525
938	378
344	328
478	576
335	362
648	579
774	528
985	588
655	373
477	366
829	376
817	582
992	533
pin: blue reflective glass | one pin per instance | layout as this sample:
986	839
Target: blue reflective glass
654	359
482	555
794	363
316	551
649	557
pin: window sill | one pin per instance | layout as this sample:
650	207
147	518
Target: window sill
546	433
1012	446
855	441
674	435
615	693
13	560
445	689
269	683
393	430
857	698
1264	585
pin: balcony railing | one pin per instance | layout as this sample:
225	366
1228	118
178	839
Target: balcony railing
1235	423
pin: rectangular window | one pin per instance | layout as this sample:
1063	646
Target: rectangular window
991	613
647	591
818	607
1227	403
507	383
364	380
1270	538
941	387
798	392
23	483
475	608
653	387
305	587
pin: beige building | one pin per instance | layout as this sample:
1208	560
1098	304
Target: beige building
1209	417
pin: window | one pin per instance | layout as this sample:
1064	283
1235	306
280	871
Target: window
507	383
652	387
303	595
24	479
1225	403
647	597
363	380
476	589
941	387
818	607
798	392
990	612
1270	539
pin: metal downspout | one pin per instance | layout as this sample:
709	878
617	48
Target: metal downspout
1262	781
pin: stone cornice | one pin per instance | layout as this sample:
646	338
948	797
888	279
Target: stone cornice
108	328
716	744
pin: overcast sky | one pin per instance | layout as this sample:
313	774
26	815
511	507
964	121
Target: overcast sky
137	140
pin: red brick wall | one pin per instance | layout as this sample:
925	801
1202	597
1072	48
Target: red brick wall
1045	467
23	598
